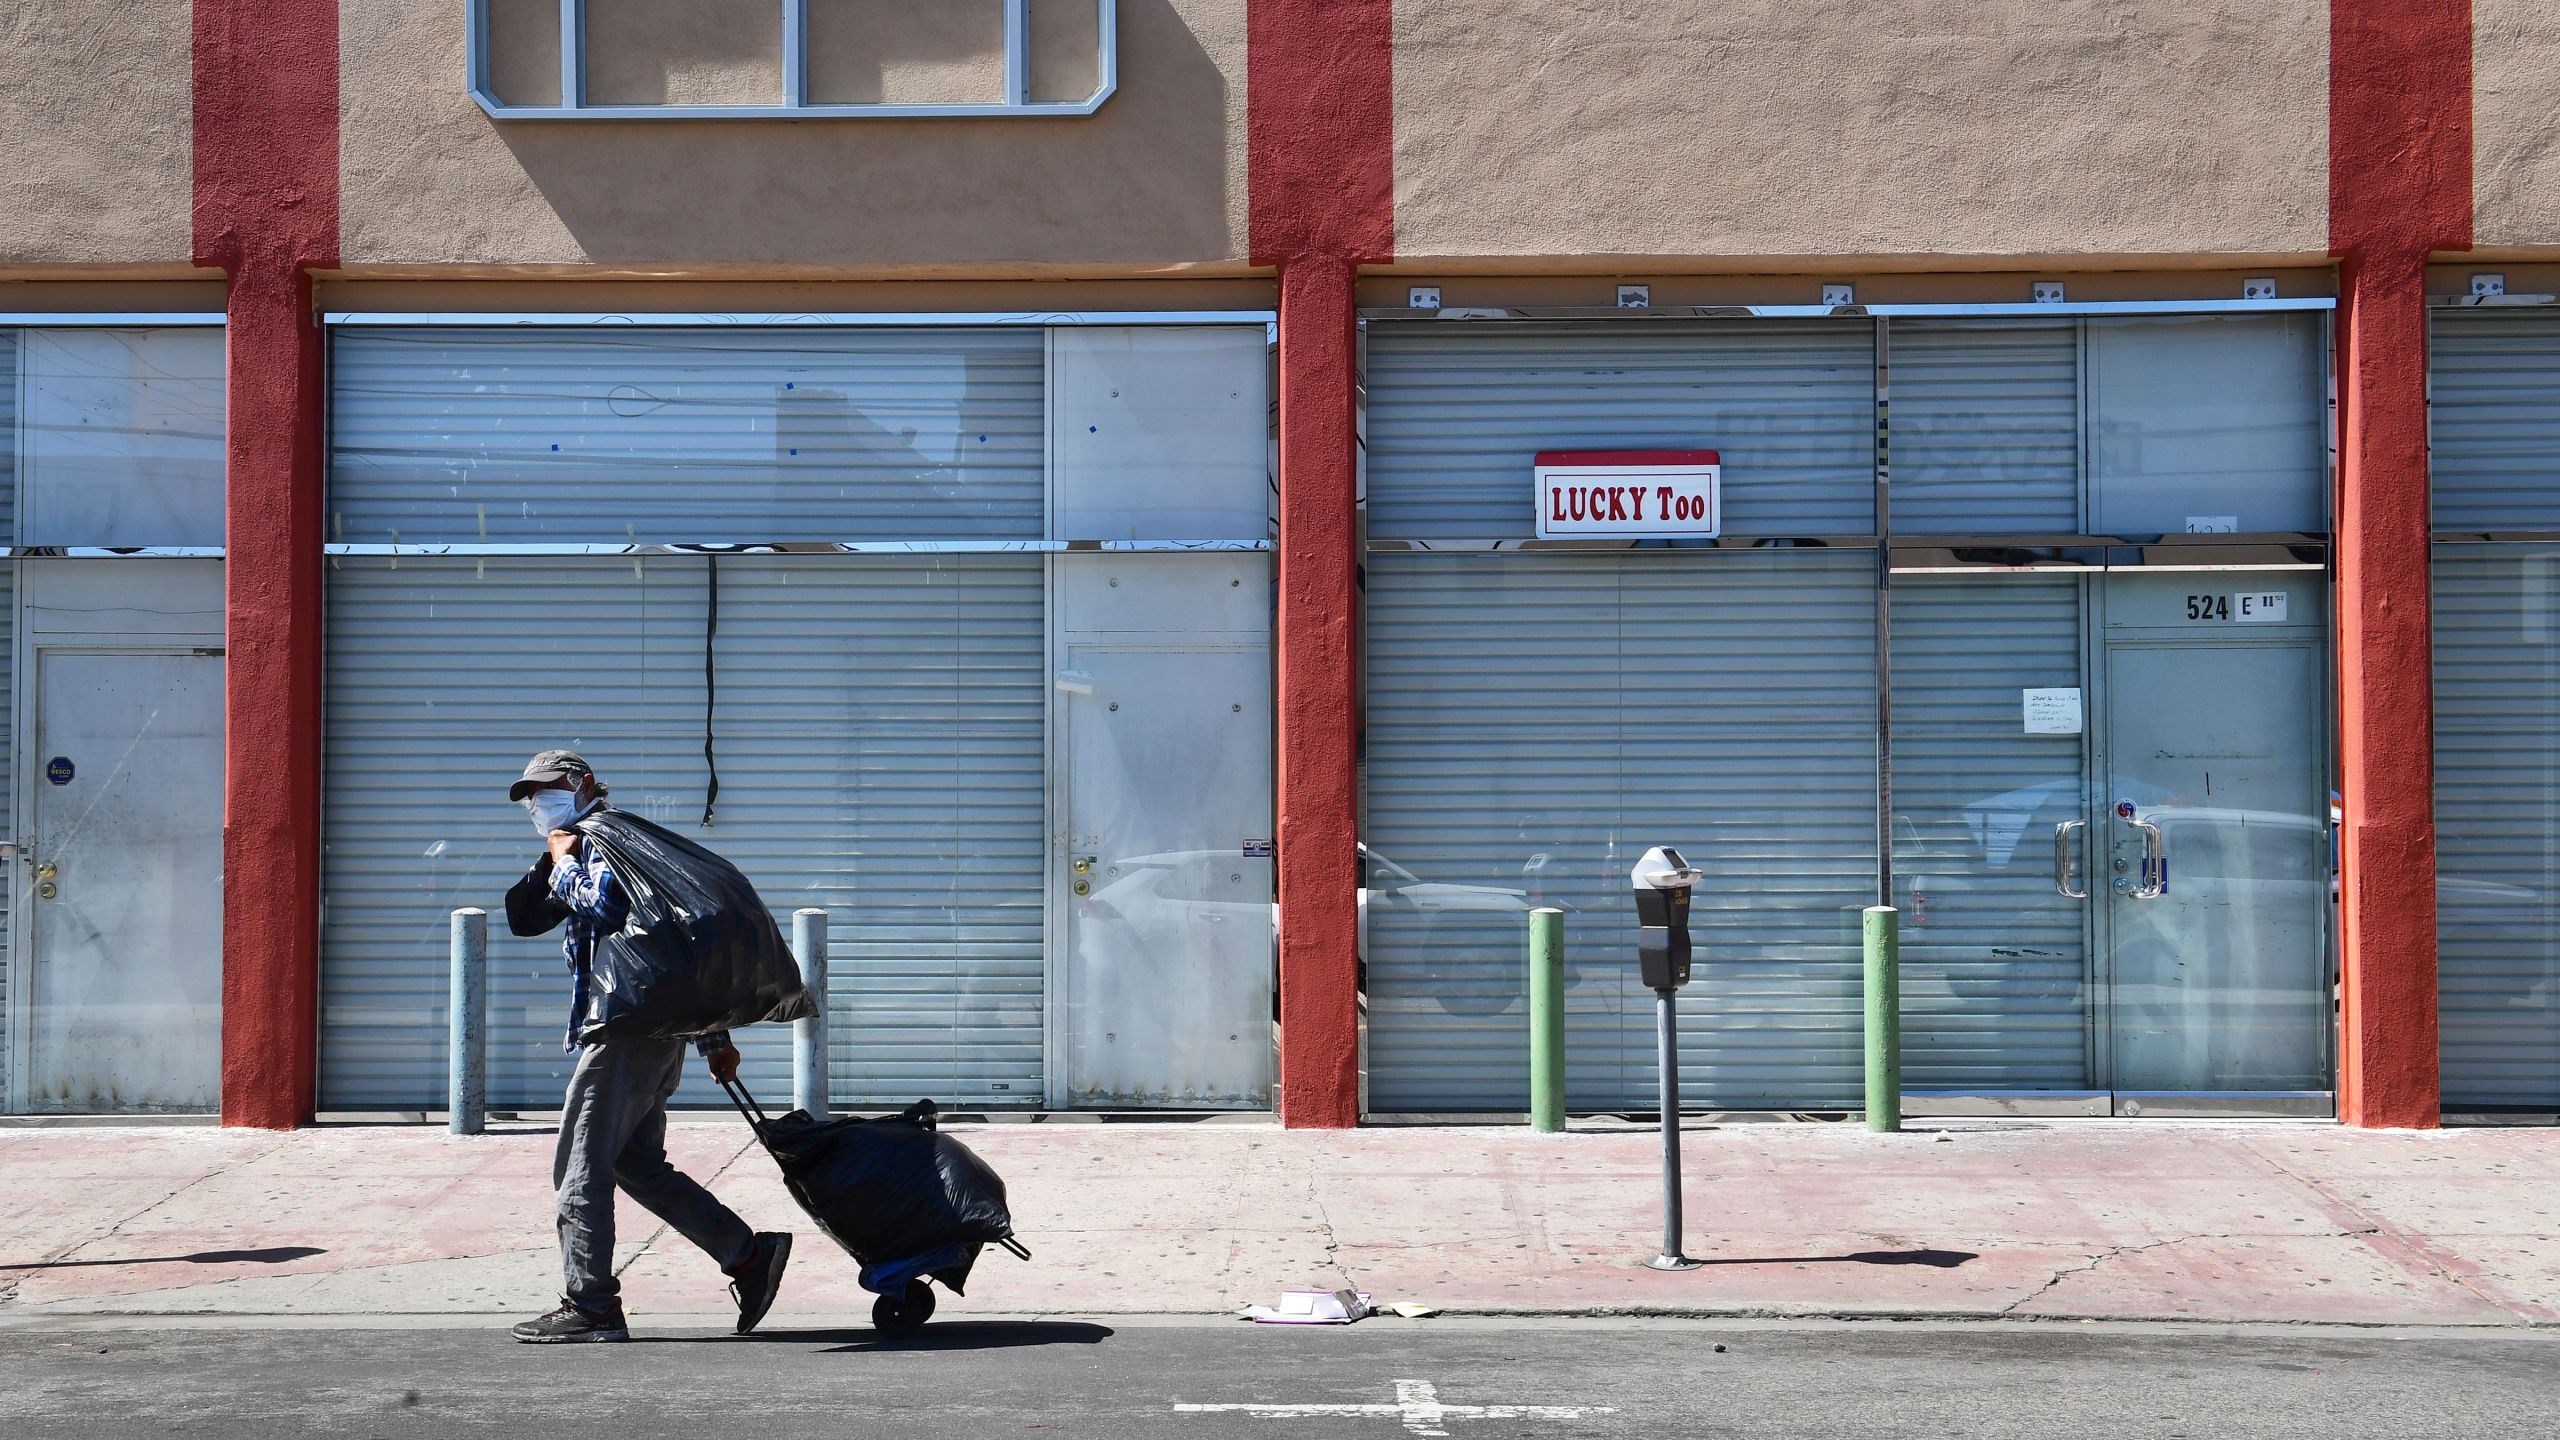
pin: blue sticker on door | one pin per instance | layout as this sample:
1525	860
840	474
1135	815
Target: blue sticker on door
58	770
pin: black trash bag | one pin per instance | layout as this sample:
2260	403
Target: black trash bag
699	951
892	1188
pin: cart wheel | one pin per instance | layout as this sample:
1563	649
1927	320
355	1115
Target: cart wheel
908	1309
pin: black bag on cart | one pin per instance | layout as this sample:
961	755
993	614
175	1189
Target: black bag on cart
891	1189
699	951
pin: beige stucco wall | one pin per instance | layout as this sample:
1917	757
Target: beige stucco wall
1808	128
2515	68
97	102
1154	181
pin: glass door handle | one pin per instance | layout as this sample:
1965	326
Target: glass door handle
2062	859
2155	861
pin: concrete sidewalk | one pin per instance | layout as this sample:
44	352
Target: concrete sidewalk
2261	1222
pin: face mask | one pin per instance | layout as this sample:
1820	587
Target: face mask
552	809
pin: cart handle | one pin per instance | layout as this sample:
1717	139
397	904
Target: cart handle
747	1106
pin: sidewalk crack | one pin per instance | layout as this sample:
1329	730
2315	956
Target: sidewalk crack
1332	1241
2115	1252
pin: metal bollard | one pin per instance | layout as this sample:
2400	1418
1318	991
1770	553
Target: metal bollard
1546	1021
809	1037
467	1026
1884	1018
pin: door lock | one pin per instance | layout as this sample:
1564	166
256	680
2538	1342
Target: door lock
45	871
1084	887
1084	864
46	890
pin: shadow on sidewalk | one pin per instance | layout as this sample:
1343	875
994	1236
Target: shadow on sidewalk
955	1335
275	1256
1934	1259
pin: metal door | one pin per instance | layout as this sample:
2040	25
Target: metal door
2210	843
125	862
1165	990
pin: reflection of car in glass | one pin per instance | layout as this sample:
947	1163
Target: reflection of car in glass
1466	939
1153	902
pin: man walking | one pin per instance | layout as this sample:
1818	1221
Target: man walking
613	1124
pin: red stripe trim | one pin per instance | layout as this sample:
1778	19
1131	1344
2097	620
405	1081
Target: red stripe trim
2400	157
1320	130
1319	119
266	212
1629	457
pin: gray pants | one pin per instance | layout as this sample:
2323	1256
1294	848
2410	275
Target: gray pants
613	1131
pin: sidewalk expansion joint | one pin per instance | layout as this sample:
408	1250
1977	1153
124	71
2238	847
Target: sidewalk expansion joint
2393	1241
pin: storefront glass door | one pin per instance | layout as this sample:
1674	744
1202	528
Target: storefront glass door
2211	848
2111	840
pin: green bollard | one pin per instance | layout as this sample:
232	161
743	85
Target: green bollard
1884	1018
1546	1021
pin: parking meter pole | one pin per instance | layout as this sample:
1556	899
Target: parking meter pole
1884	1018
809	1037
467	1026
1662	882
1546	1021
1666	1004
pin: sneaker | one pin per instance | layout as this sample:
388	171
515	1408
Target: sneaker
758	1277
570	1325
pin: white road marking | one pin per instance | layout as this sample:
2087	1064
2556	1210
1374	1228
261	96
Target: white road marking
1417	1405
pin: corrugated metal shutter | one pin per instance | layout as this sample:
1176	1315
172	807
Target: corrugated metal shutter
2494	385
881	757
1993	960
8	673
1456	409
1534	723
2497	693
1985	427
846	722
676	436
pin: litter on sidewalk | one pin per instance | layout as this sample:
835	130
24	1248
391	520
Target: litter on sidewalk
1328	1307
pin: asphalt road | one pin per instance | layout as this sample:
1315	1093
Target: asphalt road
1224	1381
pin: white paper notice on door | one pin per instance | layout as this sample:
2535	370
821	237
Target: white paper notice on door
2053	712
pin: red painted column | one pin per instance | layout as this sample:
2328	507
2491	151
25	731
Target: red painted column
266	213
2399	187
1318	739
1320	167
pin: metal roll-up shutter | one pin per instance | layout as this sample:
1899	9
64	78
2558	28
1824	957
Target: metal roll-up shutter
1535	722
2497	724
1457	410
878	739
9	441
2494	419
685	435
442	676
1994	961
1985	427
881	744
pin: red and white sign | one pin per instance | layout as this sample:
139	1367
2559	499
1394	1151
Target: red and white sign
1628	494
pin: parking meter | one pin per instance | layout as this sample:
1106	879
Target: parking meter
1662	884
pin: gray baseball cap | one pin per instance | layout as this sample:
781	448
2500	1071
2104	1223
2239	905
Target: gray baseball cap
553	767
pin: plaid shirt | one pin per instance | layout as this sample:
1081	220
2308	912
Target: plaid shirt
584	886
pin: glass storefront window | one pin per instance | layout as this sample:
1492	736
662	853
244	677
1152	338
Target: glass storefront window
2109	425
119	436
687	436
